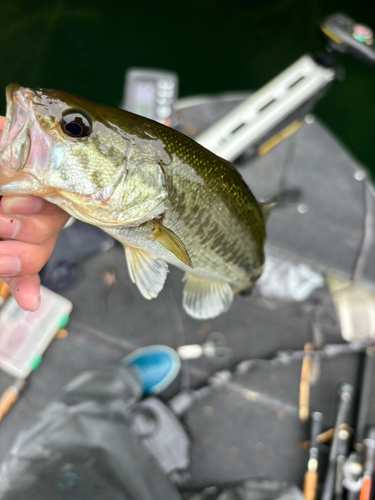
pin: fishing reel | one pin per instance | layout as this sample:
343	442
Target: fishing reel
345	36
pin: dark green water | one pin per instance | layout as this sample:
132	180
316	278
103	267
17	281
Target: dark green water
84	47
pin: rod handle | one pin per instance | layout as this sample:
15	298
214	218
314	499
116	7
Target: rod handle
309	485
7	400
365	489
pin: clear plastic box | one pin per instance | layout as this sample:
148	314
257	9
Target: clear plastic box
24	335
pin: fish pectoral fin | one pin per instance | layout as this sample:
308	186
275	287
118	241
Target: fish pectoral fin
147	272
171	242
205	298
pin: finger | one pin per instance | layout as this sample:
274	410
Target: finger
36	229
21	259
2	121
27	205
26	291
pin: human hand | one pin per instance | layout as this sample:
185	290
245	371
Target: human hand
28	231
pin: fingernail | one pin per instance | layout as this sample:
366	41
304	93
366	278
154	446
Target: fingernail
9	265
9	227
37	304
22	205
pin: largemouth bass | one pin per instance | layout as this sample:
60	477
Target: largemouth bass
167	199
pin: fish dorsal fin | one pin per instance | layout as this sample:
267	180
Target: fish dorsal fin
205	298
266	208
171	242
147	272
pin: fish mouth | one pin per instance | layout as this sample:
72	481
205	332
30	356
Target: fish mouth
15	141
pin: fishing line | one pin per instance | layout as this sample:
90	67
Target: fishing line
185	373
287	164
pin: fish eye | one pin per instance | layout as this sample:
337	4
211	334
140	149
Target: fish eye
76	124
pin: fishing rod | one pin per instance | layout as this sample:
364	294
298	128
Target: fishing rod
311	475
356	459
342	453
346	393
369	465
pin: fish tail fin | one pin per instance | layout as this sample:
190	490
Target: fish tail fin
267	208
205	298
284	198
247	291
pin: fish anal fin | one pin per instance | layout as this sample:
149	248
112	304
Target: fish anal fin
205	298
171	242
146	271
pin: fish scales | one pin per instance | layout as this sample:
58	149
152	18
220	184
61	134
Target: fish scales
205	214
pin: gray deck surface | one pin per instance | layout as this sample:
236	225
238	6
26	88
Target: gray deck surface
233	437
